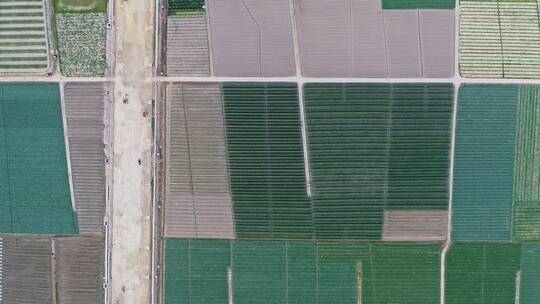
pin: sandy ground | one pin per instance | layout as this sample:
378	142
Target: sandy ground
131	203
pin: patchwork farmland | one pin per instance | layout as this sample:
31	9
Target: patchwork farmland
30	274
262	170
202	271
341	38
57	254
378	163
24	45
304	152
375	38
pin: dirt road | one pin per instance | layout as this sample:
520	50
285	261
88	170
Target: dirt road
131	202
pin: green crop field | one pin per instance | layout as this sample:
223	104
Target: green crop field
372	148
482	273
266	161
298	272
418	4
376	147
35	195
186	7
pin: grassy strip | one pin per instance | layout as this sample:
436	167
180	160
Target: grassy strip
23	21
31	66
61	7
42	52
21	36
25	59
21	43
21	7
22	15
21	29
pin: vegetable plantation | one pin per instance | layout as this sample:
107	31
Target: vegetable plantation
81	42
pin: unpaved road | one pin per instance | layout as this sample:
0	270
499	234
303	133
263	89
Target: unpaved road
131	202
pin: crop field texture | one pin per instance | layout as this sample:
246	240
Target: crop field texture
187	46
23	36
499	39
494	273
376	148
251	38
266	161
198	195
187	39
79	270
415	4
378	157
34	185
186	7
31	274
526	192
84	104
81	41
199	271
1	268
496	192
27	275
345	38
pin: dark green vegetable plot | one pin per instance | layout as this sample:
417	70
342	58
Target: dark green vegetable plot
200	272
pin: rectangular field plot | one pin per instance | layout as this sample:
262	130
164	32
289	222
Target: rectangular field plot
185	7
35	195
81	43
378	160
23	36
188	52
251	38
494	273
266	161
530	274
484	157
418	4
79	270
415	225
198	193
361	39
80	6
61	270
187	46
496	192
499	39
526	222
85	107
295	272
373	148
26	272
